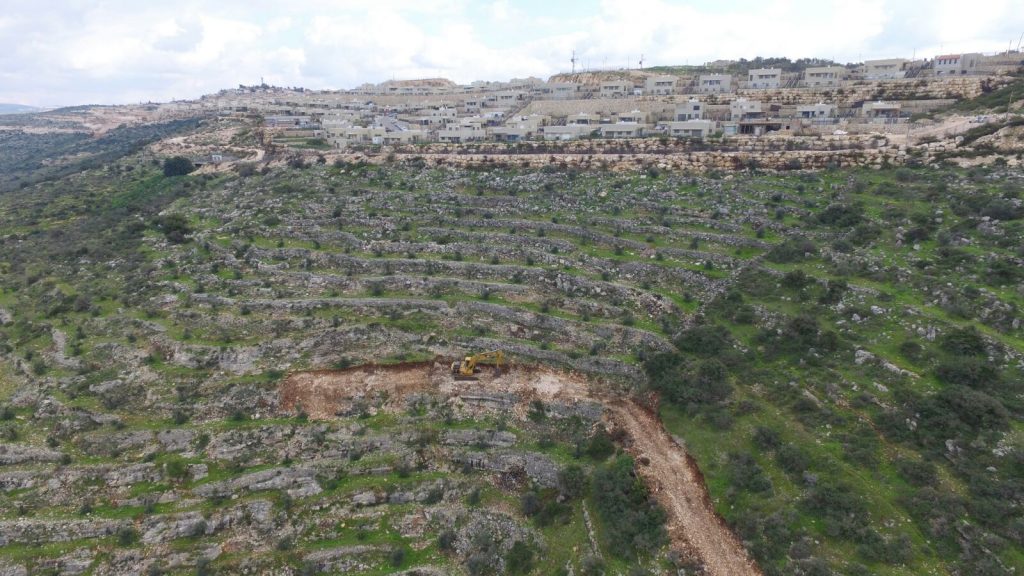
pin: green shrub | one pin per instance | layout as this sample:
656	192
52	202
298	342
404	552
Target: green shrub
127	536
688	382
708	340
177	166
634	524
446	540
963	342
519	559
572	481
600	445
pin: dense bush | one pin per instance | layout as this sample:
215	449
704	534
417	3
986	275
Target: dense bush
958	412
793	250
704	340
843	512
634	524
970	372
841	215
178	166
519	559
686	382
963	342
747	475
175	227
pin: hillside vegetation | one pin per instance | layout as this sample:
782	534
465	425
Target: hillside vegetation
839	351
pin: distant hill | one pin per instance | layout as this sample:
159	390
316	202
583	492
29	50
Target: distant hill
17	108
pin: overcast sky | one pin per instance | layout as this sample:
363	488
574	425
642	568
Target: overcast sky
117	51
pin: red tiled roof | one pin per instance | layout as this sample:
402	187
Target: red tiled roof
948	57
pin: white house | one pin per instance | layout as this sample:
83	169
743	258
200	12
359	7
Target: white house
888	69
616	88
405	137
583	119
824	76
815	111
622	130
660	85
462	132
634	117
689	128
764	78
559	90
955	64
692	109
742	109
567	132
881	112
714	83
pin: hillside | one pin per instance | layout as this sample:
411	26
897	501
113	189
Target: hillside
244	369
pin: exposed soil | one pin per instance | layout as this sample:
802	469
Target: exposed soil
677	483
670	473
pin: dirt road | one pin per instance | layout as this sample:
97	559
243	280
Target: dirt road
667	470
673	478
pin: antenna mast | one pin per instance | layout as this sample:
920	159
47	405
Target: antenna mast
573	60
641	61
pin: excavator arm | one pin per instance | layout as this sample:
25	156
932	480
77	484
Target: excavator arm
468	367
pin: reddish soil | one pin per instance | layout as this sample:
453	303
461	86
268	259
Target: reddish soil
670	473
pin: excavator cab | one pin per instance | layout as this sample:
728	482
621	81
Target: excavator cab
470	365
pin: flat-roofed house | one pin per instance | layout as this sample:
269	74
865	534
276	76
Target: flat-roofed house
363	135
714	83
634	116
824	76
616	88
519	128
888	69
622	130
583	119
742	109
819	110
567	132
404	137
692	109
881	112
660	85
956	64
689	128
468	130
764	78
559	90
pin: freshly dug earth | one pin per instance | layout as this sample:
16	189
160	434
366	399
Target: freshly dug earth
669	472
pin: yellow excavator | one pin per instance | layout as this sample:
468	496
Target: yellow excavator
467	369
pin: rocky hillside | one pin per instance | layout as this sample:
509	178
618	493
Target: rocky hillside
244	369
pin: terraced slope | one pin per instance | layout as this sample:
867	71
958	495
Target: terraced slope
842	360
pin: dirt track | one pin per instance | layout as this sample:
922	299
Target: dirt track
670	474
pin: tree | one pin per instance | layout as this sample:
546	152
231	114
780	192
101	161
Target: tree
178	166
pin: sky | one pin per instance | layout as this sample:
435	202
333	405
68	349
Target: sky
56	53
